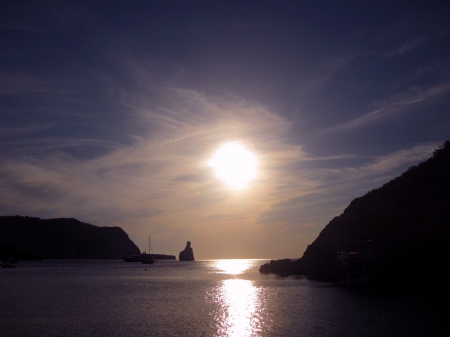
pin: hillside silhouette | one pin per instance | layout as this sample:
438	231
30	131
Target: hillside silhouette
64	238
401	228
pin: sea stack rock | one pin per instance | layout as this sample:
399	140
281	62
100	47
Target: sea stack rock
187	254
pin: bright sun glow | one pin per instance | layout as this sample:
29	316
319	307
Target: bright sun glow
233	267
235	165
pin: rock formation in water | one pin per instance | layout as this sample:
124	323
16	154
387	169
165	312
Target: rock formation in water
401	228
187	254
65	238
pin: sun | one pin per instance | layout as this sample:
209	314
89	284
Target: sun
235	165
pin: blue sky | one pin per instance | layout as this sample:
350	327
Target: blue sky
111	111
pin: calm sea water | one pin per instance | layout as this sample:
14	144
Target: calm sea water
201	298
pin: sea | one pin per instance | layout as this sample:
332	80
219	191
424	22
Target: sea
201	298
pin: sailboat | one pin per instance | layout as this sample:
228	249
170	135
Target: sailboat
148	258
9	263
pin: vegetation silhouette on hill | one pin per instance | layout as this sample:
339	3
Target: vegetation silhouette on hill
401	228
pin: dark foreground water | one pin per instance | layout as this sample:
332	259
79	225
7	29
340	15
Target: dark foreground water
201	298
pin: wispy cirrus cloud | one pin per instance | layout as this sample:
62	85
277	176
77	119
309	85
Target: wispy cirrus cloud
116	127
394	105
26	129
162	183
418	42
162	178
387	163
303	214
18	83
399	159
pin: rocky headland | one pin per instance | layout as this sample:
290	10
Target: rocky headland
61	239
8	252
400	230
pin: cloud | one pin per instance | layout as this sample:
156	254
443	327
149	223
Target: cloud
394	105
334	188
161	182
27	129
16	83
418	42
335	157
162	179
318	77
399	159
387	163
198	177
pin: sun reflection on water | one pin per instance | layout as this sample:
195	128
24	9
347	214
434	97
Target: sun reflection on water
232	267
238	300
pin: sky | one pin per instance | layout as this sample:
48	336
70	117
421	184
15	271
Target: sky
110	113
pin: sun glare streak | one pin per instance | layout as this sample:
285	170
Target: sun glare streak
240	299
235	165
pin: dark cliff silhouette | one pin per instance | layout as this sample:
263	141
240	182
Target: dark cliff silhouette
187	254
401	228
10	252
65	238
